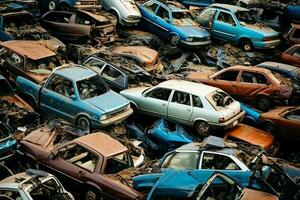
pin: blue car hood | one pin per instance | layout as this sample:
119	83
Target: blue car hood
108	102
262	29
190	31
7	144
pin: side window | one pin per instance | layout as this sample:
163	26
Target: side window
251	77
163	13
182	160
95	65
228	76
181	98
160	93
61	86
15	60
84	19
79	156
208	14
58	17
46	191
296	53
113	74
226	18
150	6
197	101
117	163
296	34
7	194
219	162
294	115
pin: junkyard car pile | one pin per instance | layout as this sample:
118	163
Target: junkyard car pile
149	99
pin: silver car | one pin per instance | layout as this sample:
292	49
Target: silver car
126	11
193	104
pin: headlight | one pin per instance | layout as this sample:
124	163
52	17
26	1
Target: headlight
77	3
189	39
103	117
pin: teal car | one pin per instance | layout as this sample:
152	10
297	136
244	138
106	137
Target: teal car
237	25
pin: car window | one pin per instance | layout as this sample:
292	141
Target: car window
296	53
252	77
296	33
163	13
228	76
61	86
58	17
197	101
7	194
95	65
91	87
117	163
150	6
18	21
48	190
217	161
112	74
294	115
79	156
219	99
226	18
82	18
183	19
182	160
15	60
160	93
208	14
181	98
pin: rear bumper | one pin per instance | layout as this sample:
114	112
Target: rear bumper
230	123
265	44
113	120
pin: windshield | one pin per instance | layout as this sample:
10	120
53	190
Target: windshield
219	99
181	160
44	65
183	19
245	16
118	163
5	89
91	87
4	133
17	21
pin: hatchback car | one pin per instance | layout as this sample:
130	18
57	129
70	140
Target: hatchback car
237	25
173	22
193	104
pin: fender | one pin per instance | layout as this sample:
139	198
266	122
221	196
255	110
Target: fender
82	114
115	10
131	102
199	119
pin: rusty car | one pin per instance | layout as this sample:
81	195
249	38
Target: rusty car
80	26
254	84
292	36
292	55
85	162
27	59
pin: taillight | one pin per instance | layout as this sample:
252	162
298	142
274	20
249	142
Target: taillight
222	120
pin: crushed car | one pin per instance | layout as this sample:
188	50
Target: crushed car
292	36
33	184
253	84
80	26
84	162
193	104
292	55
173	22
8	144
22	26
237	25
78	95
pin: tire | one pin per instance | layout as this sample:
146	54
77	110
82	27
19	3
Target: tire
202	128
246	45
92	194
52	5
270	128
174	40
263	103
83	123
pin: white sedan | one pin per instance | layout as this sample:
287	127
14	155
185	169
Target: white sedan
193	104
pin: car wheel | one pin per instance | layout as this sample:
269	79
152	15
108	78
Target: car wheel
91	194
202	128
270	128
52	6
246	45
174	40
263	102
83	123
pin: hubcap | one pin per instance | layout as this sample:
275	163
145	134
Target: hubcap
247	47
203	127
52	5
174	40
83	123
90	195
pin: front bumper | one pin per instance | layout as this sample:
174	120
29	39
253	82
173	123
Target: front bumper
130	22
113	120
230	123
265	44
195	44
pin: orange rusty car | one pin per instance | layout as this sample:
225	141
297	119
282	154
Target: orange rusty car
252	84
283	122
292	55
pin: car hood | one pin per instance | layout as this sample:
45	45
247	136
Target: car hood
191	31
131	7
262	29
255	194
199	76
108	102
138	91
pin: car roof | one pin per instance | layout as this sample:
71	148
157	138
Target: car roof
76	72
102	143
250	68
172	6
194	146
229	7
188	86
15	13
278	65
28	49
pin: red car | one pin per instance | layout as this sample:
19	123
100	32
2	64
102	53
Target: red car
292	55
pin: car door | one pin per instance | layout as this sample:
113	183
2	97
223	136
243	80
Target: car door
251	83
155	101
226	80
180	107
206	18
56	98
148	11
289	124
225	27
162	21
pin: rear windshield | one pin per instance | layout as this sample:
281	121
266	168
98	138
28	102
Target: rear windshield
219	99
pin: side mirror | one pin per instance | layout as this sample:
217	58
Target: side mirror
73	97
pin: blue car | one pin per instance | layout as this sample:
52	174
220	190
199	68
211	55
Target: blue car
236	25
77	95
8	144
202	3
173	22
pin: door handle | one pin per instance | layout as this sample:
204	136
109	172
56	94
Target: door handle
189	110
44	92
81	173
163	104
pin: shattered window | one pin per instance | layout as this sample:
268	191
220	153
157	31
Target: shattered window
82	18
60	17
150	6
219	162
61	86
3	132
112	74
79	156
91	87
245	16
226	18
197	101
297	53
228	76
181	98
182	160
294	115
15	60
296	33
163	13
183	19
252	77
95	65
160	93
20	21
219	99
208	14
117	163
7	194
